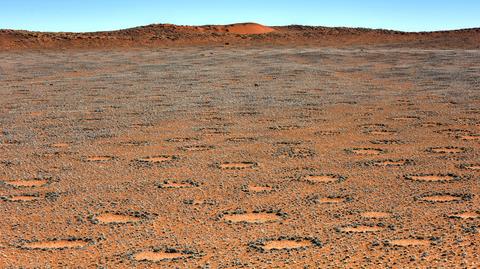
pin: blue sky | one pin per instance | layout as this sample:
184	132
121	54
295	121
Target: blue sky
96	15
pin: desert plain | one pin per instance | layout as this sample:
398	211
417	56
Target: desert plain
224	156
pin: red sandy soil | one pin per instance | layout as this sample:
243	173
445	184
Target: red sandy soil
268	157
164	35
267	153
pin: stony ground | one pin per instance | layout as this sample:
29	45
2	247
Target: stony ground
240	158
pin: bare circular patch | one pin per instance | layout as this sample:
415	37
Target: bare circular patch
134	143
241	139
99	158
409	242
390	162
181	139
316	199
469	137
21	198
196	148
156	159
331	200
10	142
30	183
208	131
59	145
327	133
431	124
162	255
199	202
237	165
252	218
387	142
284	127
444	197
453	132
405	118
323	178
284	244
449	150
466	215
441	198
365	151
375	215
257	188
360	229
294	152
177	184
432	177
57	244
157	256
474	167
255	217
375	126
381	132
288	143
116	218
141	125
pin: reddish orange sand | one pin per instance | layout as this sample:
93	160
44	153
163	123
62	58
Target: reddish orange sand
353	151
240	28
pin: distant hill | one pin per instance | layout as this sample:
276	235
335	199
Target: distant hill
241	34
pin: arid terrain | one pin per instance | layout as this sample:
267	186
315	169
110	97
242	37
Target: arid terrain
240	157
238	35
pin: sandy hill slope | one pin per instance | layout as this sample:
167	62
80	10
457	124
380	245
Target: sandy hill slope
164	35
241	28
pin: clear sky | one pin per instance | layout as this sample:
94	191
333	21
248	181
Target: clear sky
96	15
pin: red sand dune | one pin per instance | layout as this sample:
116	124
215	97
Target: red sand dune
165	35
241	28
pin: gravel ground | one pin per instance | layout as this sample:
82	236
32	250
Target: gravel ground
240	158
